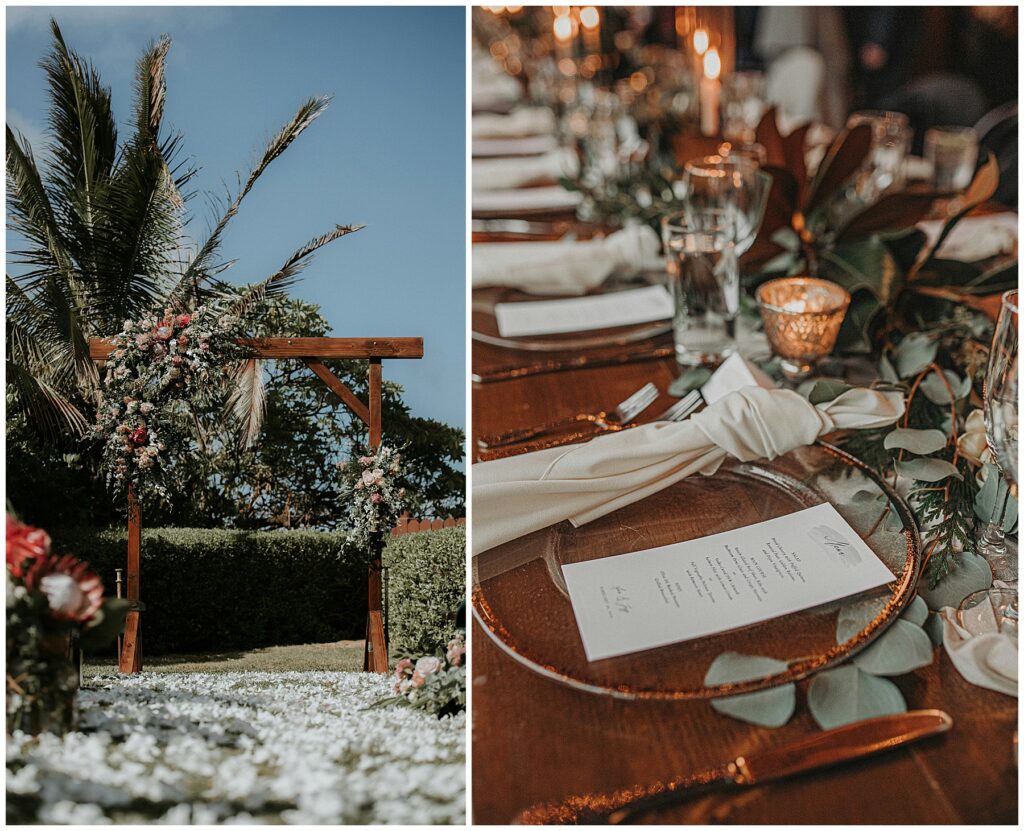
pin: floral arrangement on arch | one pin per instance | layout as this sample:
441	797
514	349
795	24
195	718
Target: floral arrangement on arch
161	369
435	684
51	600
376	492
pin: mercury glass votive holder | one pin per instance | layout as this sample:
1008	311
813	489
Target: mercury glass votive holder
802	316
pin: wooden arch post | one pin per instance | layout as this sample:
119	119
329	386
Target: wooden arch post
312	352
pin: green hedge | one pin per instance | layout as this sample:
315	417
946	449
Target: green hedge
213	590
426	584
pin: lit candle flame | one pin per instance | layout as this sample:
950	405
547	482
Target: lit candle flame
712	64
590	17
563	27
701	41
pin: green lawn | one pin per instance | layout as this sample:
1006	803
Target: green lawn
340	656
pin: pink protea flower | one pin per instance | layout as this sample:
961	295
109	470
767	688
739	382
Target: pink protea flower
73	592
24	543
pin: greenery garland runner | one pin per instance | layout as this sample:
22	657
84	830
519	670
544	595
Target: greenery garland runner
374	480
164	370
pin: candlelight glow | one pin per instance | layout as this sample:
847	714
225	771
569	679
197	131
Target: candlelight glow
563	27
712	64
590	17
701	41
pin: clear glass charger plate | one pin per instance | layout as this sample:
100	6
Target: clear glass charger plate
485	324
519	595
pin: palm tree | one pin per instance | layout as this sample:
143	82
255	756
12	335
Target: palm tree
102	239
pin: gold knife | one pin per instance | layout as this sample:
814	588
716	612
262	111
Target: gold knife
832	747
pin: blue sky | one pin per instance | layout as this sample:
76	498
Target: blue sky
389	152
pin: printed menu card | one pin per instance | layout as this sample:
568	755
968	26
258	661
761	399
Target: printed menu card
631	602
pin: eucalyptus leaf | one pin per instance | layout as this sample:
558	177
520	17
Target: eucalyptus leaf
938	393
886	371
916	611
933	628
927	470
866	495
901	648
690	380
990	498
767	708
921	442
854	616
827	389
914	353
846	695
971	574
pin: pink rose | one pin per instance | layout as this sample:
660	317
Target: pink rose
402	666
455	653
376	499
428	665
418	680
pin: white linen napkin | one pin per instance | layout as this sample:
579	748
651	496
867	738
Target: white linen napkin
563	267
521	494
980	652
517	200
521	172
975	238
525	121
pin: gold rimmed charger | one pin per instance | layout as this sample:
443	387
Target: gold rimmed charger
519	594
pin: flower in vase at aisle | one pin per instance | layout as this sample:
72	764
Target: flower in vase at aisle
24	543
73	592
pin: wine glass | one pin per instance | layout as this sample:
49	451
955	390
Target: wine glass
734	188
1000	396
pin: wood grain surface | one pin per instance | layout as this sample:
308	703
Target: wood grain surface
536	740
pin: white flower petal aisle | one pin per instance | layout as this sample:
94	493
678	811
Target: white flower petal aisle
293	747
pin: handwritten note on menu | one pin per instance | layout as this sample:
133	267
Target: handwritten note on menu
631	602
581	314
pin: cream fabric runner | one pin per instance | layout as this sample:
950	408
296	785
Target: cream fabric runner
521	494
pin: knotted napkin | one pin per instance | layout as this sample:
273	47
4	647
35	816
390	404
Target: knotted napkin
563	267
982	654
521	172
521	494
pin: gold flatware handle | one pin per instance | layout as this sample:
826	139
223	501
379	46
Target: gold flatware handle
522	434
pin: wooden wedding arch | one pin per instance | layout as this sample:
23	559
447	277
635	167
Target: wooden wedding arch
312	352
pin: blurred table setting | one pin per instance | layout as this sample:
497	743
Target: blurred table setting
702	305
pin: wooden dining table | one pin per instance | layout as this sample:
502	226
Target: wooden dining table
536	740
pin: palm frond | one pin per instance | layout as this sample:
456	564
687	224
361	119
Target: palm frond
48	412
286	276
151	91
247	402
201	266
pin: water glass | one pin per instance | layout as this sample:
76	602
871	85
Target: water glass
953	155
1000	396
890	144
703	268
990	610
732	188
743	103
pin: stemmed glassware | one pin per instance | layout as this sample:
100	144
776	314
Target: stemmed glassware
1001	402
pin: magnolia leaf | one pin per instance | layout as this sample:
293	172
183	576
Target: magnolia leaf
854	616
690	380
916	612
921	442
990	498
927	470
893	212
843	159
827	389
914	353
901	648
855	333
972	573
864	264
846	694
767	708
937	392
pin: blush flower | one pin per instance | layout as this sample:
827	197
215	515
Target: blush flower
73	592
427	665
